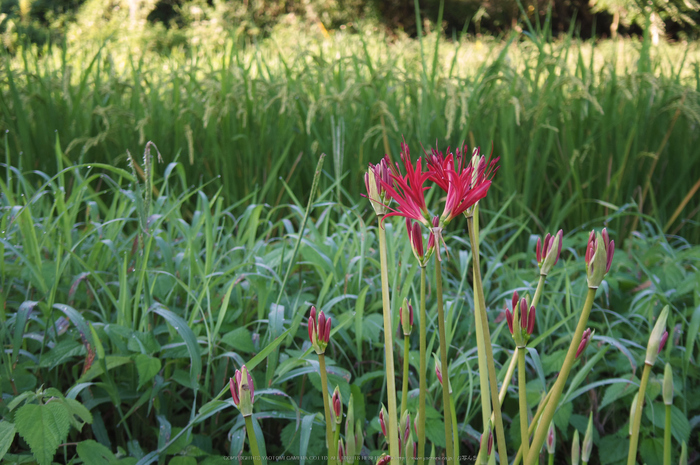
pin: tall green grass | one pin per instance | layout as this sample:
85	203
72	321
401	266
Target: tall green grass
583	129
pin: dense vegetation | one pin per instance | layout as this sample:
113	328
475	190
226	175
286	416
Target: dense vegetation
131	290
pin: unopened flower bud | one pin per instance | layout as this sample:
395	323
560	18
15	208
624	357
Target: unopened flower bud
684	454
438	371
415	238
575	449
359	437
404	428
486	441
548	253
350	442
243	391
383	419
668	385
336	407
657	334
410	449
375	190
319	331
633	411
599	255
551	440
587	440
586	338
662	343
341	451
406	316
383	460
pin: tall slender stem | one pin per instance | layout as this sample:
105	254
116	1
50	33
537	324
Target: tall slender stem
326	406
634	439
254	451
667	437
473	226
336	437
449	450
404	383
504	389
533	424
482	362
422	377
538	291
541	431
389	349
522	396
551	459
455	429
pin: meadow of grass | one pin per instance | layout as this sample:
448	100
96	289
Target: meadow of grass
582	128
130	296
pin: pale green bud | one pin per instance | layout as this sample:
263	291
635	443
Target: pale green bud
633	410
575	449
587	440
657	333
668	385
350	442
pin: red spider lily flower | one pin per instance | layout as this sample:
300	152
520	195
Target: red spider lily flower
524	317
546	259
408	191
464	185
319	331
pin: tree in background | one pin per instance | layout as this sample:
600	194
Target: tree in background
629	12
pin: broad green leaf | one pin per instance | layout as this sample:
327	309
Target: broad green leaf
94	453
240	340
7	435
307	424
44	428
183	461
147	368
188	336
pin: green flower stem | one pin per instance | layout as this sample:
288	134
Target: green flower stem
389	349
336	437
326	406
455	430
522	396
449	446
423	382
550	409
482	362
255	452
634	439
533	424
404	383
473	226
551	459
538	291
504	390
667	437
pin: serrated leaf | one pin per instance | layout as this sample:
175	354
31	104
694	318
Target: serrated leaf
44	428
613	449
7	435
76	408
147	367
94	453
435	432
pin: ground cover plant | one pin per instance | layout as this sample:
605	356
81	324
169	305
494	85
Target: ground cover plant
154	312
